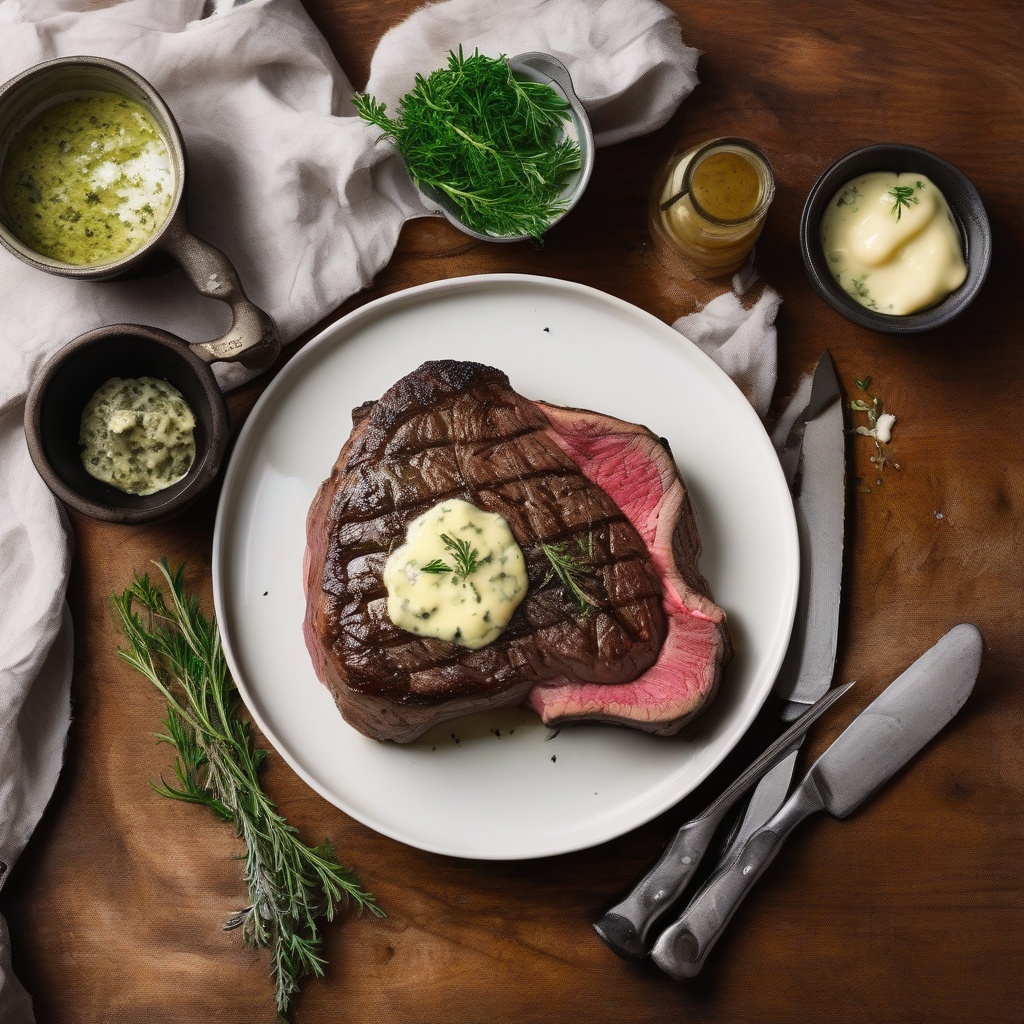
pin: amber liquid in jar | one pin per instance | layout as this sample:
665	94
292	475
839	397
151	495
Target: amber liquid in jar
708	205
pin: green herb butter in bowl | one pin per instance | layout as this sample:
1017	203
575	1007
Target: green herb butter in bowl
87	179
137	434
500	147
91	168
92	184
127	424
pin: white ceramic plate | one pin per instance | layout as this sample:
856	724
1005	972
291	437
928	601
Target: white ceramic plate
463	789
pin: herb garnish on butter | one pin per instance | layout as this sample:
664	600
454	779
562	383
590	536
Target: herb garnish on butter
466	558
291	885
902	195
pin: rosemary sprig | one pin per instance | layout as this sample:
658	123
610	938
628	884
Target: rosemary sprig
466	558
488	141
901	196
436	566
291	885
572	569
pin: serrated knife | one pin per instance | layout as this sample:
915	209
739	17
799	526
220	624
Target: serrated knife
876	744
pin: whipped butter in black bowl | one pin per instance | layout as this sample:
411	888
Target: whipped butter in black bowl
896	239
127	424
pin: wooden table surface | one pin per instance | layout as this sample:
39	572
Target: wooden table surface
912	909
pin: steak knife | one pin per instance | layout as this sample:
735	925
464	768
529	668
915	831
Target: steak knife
626	927
806	671
815	466
876	744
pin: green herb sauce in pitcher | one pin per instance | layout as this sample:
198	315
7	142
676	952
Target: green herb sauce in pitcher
87	180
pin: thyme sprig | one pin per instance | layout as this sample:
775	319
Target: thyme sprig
291	886
901	196
492	143
572	569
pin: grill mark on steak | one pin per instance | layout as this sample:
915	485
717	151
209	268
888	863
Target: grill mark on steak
637	469
455	429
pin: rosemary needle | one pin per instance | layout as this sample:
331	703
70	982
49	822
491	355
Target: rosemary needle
572	570
291	885
490	142
901	196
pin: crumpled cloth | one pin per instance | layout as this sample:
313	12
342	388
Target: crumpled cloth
308	204
741	340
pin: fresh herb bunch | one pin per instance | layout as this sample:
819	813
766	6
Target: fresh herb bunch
291	885
573	569
488	141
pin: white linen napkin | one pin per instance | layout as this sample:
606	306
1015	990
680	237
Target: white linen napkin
308	205
740	340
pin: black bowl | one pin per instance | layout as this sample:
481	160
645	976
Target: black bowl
968	212
53	414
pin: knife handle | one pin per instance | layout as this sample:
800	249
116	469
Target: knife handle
682	948
626	926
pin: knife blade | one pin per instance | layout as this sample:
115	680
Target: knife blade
626	926
876	744
819	473
789	440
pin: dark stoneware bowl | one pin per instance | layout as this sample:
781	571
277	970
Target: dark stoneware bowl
968	212
54	407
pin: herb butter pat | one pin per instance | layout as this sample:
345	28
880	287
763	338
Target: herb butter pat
137	435
459	575
892	244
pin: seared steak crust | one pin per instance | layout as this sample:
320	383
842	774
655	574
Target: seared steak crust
457	430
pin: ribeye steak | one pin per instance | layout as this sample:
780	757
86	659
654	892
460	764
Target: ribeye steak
649	656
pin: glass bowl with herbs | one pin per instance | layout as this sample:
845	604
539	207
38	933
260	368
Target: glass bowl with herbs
501	147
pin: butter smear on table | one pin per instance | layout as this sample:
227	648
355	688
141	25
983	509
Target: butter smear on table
892	244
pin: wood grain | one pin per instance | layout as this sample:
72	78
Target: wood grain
909	911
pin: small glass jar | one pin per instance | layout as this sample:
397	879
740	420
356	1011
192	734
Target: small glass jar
708	206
